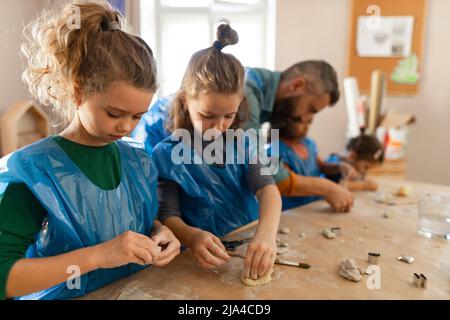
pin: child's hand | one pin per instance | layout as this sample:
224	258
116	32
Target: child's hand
208	250
170	245
370	185
340	199
129	247
348	172
260	256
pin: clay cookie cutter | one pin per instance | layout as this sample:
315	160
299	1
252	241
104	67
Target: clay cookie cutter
373	257
420	281
336	230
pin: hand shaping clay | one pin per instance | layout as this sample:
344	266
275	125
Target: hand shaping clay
258	282
283	244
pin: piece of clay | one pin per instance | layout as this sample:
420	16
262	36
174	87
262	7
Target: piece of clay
258	282
285	230
404	191
350	271
407	259
336	231
386	215
328	233
302	235
420	281
383	197
283	244
282	250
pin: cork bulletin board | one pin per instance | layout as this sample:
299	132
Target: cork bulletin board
361	67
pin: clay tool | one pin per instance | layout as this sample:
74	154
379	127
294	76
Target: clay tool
283	262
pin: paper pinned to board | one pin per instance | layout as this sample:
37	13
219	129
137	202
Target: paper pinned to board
392	37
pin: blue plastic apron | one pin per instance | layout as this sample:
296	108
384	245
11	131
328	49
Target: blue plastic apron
80	214
305	167
334	159
151	128
212	198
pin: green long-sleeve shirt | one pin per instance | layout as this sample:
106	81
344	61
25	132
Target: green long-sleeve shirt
22	215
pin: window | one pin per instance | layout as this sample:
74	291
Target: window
175	29
119	5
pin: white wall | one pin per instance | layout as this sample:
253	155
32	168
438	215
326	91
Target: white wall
14	15
318	29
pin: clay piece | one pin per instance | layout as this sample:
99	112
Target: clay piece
282	250
327	233
283	244
407	259
404	191
258	282
336	231
384	197
302	235
350	271
285	230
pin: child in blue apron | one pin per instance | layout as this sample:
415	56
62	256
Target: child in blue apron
78	209
362	153
204	200
299	154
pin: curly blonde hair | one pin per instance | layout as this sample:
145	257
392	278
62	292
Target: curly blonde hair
63	61
210	71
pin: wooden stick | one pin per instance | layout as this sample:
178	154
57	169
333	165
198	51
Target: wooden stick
376	92
241	229
277	261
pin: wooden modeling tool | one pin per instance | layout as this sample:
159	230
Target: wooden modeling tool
283	262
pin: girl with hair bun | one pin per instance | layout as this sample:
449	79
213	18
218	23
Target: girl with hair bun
201	202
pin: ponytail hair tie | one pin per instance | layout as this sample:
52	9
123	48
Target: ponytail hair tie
112	26
217	45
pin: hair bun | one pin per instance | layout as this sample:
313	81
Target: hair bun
109	23
225	35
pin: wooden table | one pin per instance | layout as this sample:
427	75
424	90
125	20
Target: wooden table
363	230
